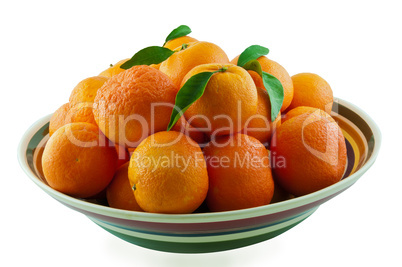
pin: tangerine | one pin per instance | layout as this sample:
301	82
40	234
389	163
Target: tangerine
239	173
168	173
313	150
134	104
190	55
119	194
78	160
275	69
229	100
311	90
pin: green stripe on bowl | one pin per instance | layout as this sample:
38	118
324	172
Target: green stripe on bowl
200	247
201	238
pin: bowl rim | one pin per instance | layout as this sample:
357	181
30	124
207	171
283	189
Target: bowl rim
201	217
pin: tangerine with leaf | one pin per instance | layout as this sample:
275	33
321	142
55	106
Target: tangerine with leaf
275	69
217	99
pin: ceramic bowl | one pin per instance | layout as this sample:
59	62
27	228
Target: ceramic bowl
208	231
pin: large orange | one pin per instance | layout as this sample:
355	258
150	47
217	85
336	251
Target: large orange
313	91
134	104
113	69
119	194
310	153
239	173
275	69
260	125
189	56
168	174
58	118
229	100
78	160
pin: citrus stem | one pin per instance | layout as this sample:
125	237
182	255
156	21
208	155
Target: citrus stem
223	69
183	46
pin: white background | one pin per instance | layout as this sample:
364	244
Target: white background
47	47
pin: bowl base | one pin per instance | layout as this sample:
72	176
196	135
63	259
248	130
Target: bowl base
203	247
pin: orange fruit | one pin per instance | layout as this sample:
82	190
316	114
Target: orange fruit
123	155
78	160
85	91
81	112
184	127
134	104
239	173
58	118
130	150
168	174
178	42
313	91
229	100
194	54
119	194
280	73
310	153
113	69
300	111
260	125
82	98
175	44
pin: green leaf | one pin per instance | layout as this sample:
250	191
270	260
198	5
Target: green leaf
180	31
192	90
251	53
147	56
272	85
275	91
253	65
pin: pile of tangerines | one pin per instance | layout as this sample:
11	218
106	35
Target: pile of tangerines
180	126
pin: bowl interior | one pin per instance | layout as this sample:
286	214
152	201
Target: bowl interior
362	139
